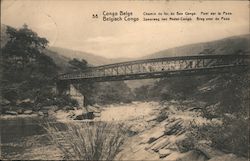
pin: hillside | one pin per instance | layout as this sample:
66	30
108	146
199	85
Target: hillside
229	45
220	97
60	60
188	117
61	56
89	57
29	70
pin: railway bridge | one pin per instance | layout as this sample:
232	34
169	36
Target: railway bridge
157	68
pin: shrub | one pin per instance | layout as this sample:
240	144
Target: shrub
186	144
100	141
231	136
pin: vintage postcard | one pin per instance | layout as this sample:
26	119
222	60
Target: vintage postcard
125	80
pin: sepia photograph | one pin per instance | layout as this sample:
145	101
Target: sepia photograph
125	80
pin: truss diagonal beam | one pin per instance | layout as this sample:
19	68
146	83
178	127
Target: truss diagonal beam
159	67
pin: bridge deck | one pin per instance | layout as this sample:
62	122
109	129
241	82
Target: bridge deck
160	67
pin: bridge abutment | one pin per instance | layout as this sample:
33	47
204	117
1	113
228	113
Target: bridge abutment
76	95
65	88
62	87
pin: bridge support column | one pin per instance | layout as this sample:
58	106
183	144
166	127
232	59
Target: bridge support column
76	95
66	88
62	87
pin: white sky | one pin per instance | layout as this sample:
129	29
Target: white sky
69	24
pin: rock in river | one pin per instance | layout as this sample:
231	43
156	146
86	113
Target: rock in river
40	113
28	112
11	113
88	115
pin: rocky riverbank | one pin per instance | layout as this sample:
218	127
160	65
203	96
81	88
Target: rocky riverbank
46	111
167	137
157	131
35	147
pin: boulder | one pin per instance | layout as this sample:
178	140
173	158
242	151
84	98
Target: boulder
174	127
71	115
228	157
10	112
97	114
40	113
88	115
20	111
97	106
208	151
51	112
78	117
45	112
93	109
164	152
28	112
67	108
55	108
160	144
25	103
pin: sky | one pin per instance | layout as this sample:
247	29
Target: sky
69	24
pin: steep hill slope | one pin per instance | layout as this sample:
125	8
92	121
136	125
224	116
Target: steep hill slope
61	56
28	69
60	60
89	57
230	45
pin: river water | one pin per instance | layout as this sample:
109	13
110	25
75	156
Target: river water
25	138
21	138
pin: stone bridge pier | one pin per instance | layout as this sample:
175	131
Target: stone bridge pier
62	87
66	88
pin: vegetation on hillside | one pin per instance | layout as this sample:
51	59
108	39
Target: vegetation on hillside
225	98
78	65
229	101
27	74
229	45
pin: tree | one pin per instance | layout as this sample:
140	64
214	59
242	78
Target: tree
25	69
78	65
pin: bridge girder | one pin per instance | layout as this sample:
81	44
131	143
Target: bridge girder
160	67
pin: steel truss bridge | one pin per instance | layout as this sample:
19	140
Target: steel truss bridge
160	67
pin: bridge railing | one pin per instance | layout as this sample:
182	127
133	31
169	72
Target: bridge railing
157	65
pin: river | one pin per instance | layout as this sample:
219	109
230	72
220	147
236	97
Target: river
25	138
21	138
